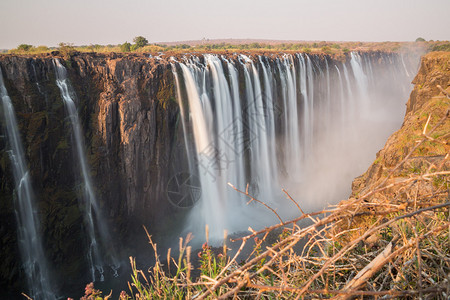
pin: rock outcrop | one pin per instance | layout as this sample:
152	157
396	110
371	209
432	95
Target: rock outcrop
429	99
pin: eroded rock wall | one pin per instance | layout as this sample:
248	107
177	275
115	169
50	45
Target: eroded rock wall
128	112
426	100
134	144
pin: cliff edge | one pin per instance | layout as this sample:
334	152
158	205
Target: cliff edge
416	148
390	239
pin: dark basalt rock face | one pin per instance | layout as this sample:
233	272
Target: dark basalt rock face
128	112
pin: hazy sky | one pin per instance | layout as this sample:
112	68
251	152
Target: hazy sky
48	22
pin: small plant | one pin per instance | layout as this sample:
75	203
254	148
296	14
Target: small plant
414	169
90	293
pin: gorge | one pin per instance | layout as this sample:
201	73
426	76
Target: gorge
157	140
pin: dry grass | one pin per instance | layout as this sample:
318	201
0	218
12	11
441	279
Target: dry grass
391	242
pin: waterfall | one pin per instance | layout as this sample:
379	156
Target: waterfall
101	249
262	177
292	144
30	242
361	83
281	121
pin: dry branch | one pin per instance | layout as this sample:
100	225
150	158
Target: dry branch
392	241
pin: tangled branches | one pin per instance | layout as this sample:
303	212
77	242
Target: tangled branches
391	241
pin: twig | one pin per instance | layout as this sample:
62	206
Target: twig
362	237
295	202
368	271
443	91
254	199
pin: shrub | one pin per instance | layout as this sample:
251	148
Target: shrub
336	46
255	45
134	47
185	46
66	49
420	39
326	49
42	49
442	47
24	47
125	47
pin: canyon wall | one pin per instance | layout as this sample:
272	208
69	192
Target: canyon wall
128	113
428	99
134	141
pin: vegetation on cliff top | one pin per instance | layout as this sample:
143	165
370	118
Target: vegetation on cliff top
141	45
390	239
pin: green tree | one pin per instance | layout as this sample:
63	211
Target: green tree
140	41
125	47
420	39
24	47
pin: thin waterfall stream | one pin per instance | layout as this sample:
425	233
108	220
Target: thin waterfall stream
34	261
101	250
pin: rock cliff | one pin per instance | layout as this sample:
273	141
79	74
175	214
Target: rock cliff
134	145
128	112
429	99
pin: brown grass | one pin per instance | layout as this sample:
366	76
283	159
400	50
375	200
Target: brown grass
393	241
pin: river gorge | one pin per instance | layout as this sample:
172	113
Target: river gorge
95	146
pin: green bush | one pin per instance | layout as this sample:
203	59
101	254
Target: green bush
134	47
24	47
42	49
326	49
125	47
66	49
336	46
442	47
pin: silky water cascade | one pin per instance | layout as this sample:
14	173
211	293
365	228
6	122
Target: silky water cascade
101	251
178	145
34	262
306	124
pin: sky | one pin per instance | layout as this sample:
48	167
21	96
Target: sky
85	22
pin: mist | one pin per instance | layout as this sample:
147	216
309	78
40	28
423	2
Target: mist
320	124
344	150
